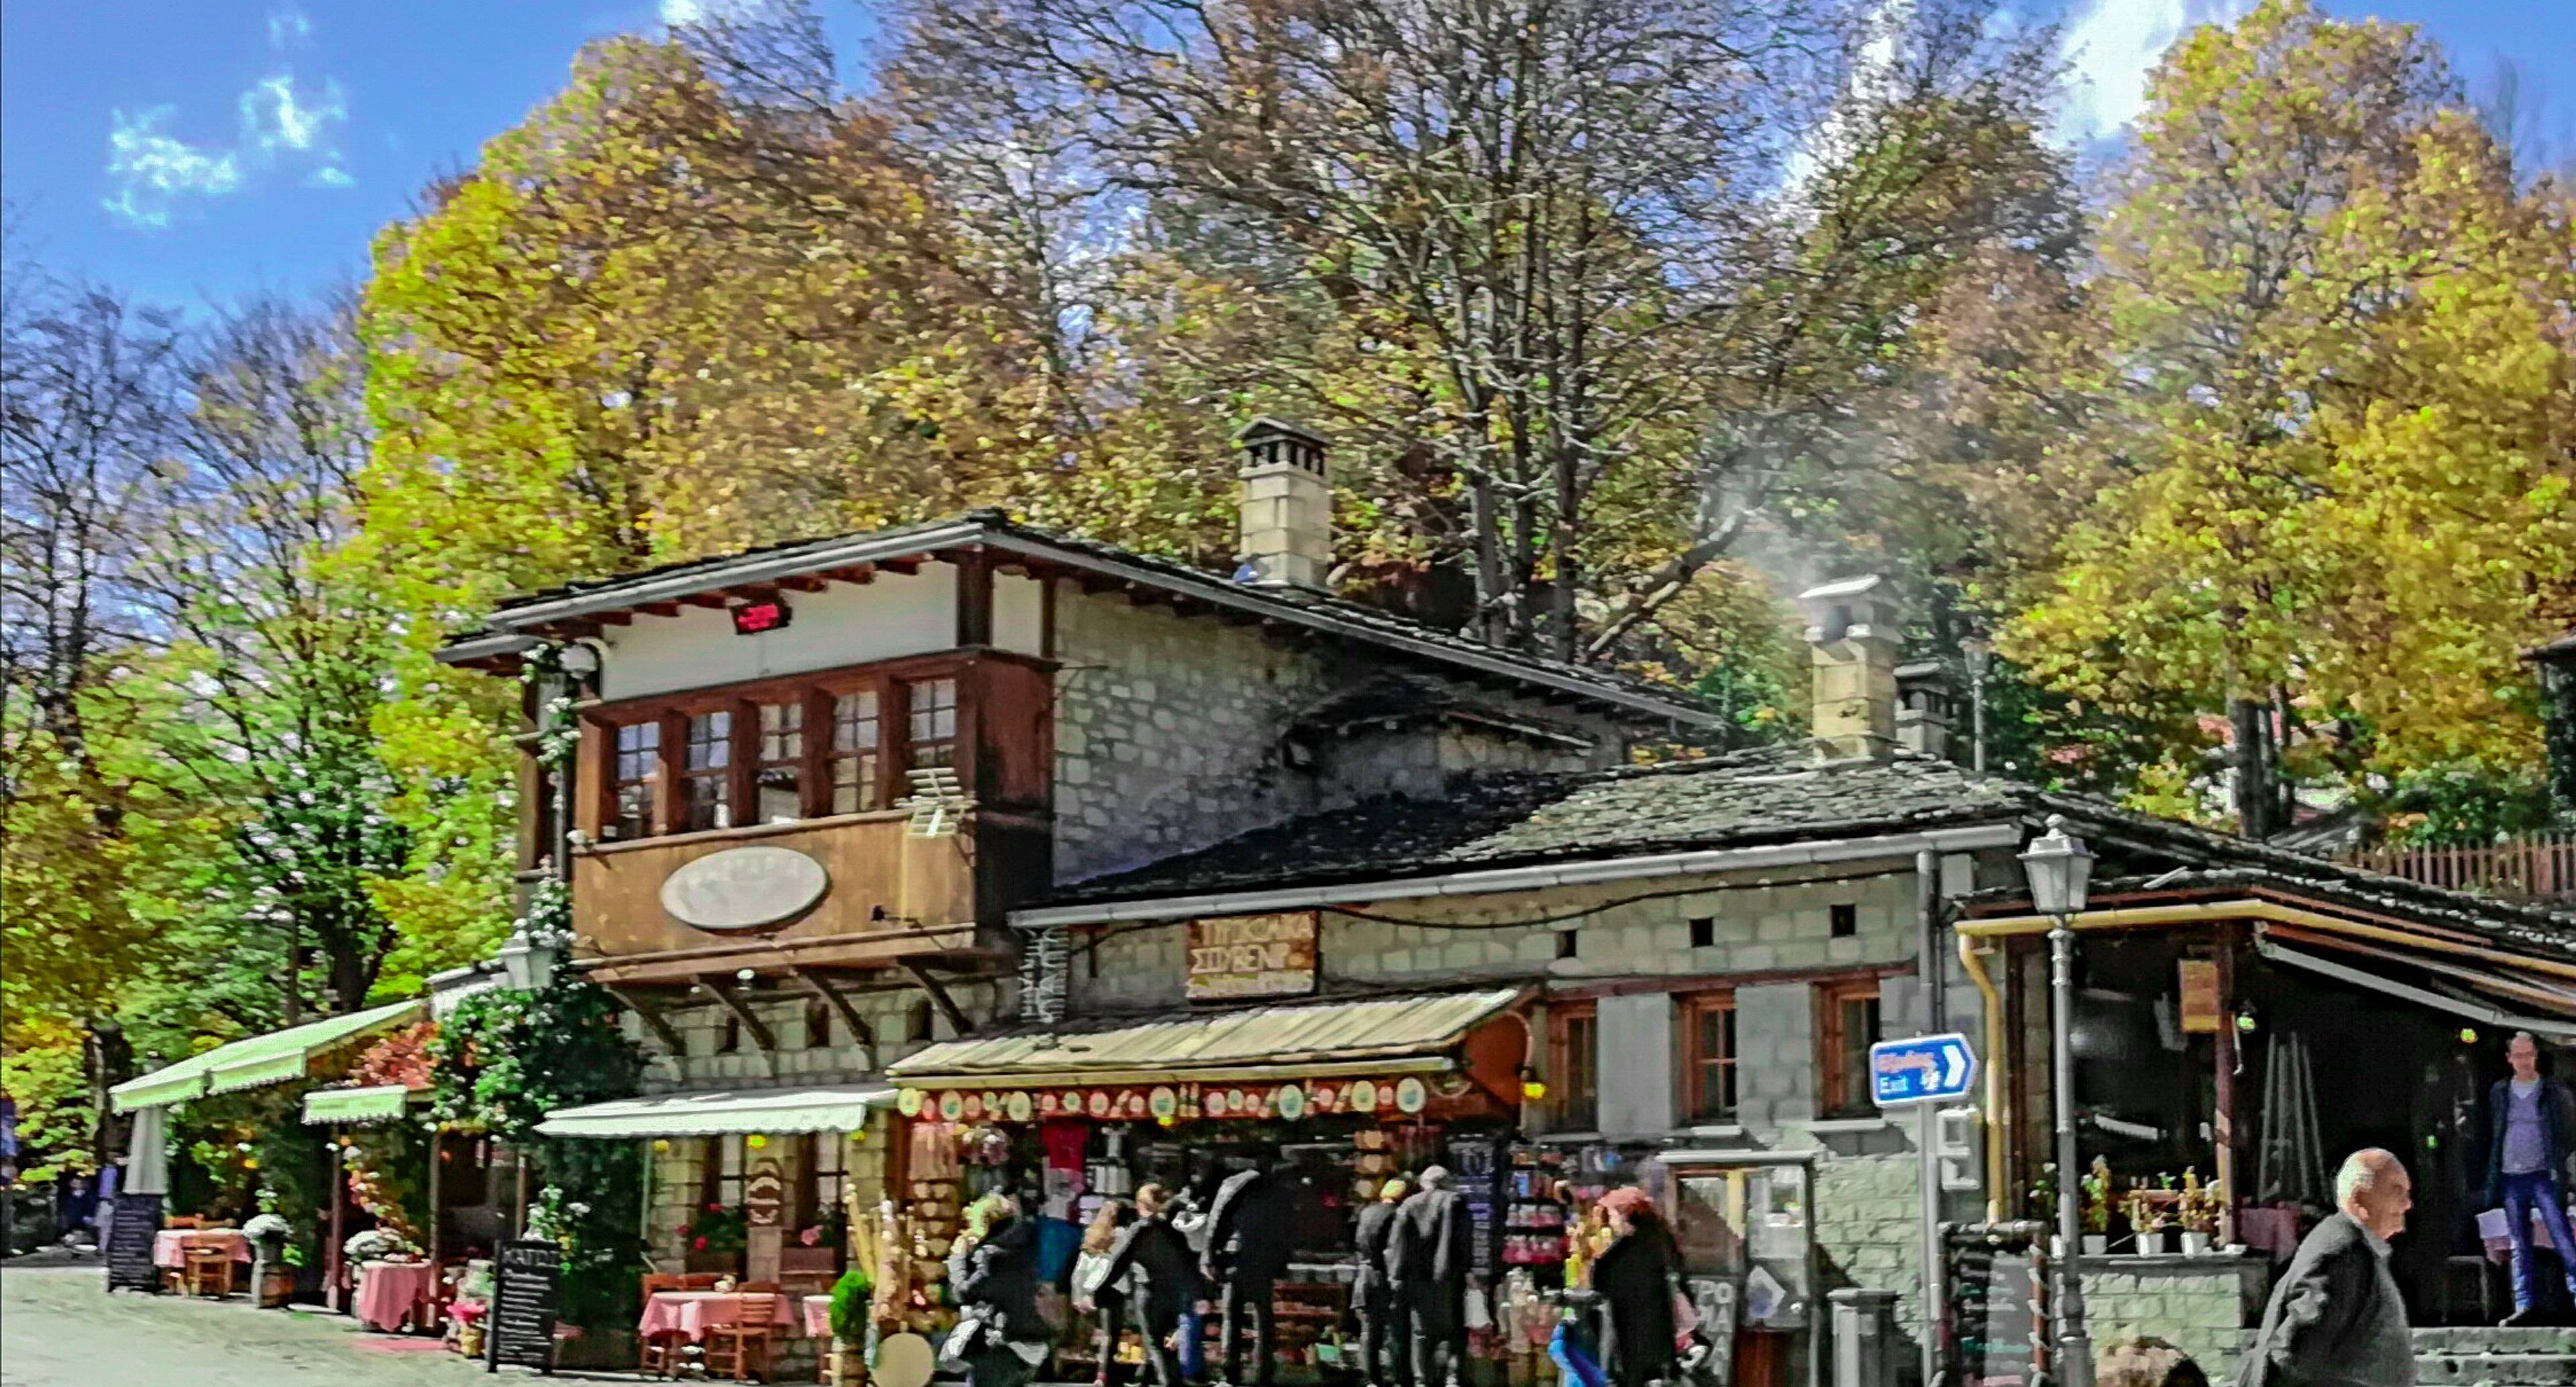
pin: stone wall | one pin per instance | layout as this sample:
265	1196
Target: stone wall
2200	1305
897	1017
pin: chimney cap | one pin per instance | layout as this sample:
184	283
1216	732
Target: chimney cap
1841	588
1268	426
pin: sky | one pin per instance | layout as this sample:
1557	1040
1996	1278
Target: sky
189	150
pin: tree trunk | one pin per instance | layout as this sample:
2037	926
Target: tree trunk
108	1055
2253	767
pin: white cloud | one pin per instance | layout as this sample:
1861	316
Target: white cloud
678	12
152	171
274	118
288	27
2112	47
332	176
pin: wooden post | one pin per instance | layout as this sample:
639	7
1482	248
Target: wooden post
2222	1124
437	1149
333	1269
519	1219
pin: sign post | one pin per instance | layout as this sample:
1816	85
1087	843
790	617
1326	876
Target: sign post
1923	1072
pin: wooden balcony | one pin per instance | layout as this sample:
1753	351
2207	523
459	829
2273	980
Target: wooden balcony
2539	868
890	898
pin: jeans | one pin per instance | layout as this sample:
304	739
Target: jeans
1252	1300
1385	1355
2522	1194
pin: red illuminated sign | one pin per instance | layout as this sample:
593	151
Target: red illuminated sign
752	618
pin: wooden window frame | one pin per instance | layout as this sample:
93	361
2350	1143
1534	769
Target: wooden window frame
610	734
957	724
1564	1070
1836	1095
803	761
735	775
1697	1107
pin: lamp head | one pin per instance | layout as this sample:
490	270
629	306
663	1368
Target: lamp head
2059	866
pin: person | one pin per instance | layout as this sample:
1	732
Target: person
1250	1232
1635	1278
1428	1260
2335	1319
2531	1127
1095	1292
1383	1356
993	1276
1156	1258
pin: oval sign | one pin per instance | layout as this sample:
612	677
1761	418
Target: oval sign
746	888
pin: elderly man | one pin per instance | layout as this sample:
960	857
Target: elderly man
2532	1126
1428	1258
2335	1319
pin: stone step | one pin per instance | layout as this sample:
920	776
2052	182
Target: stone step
2521	1369
2541	1338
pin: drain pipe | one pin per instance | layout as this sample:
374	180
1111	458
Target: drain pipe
1936	1018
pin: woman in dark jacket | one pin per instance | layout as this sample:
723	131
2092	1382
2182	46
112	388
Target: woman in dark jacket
1635	1278
1166	1276
994	1279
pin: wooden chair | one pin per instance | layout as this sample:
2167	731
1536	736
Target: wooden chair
741	1349
661	1353
184	1221
210	1271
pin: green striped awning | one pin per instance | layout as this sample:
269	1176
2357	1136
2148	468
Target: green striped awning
722	1113
331	1107
273	1058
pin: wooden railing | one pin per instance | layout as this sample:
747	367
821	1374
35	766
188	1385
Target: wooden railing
2541	866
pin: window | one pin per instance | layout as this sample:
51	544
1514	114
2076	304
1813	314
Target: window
1708	1052
1847	1024
706	773
916	1024
779	777
1565	943
1574	1065
854	752
725	1168
818	1023
1703	931
638	776
728	1034
1843	921
931	704
825	1178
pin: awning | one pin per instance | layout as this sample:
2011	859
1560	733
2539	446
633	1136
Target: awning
722	1113
273	1058
2423	991
327	1107
1386	1035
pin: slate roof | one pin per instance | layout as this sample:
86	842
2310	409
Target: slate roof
1508	819
994	530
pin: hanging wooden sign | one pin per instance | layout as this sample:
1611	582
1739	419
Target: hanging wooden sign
1239	956
2201	1004
764	1194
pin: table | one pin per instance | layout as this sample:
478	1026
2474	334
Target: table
391	1293
691	1314
170	1246
818	1317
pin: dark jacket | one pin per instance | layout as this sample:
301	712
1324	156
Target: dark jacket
1635	1279
1251	1227
1372	1236
2335	1319
1433	1248
2557	1127
1161	1258
1001	1274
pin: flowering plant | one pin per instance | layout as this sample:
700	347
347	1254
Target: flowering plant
377	1244
556	1217
717	1228
267	1228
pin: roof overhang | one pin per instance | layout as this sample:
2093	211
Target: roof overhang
729	1112
2001	833
275	1058
357	1107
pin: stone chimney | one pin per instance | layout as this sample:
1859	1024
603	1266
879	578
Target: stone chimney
1923	706
1851	630
1287	508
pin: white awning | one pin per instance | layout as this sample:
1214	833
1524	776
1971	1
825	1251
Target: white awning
274	1058
725	1112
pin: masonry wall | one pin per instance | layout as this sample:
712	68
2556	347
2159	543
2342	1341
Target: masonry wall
1172	734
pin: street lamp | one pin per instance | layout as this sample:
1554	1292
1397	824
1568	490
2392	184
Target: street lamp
2059	867
1980	653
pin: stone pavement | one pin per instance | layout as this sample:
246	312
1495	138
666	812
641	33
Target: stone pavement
58	1328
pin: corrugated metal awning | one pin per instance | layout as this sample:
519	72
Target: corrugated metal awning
329	1107
724	1112
273	1058
1384	1035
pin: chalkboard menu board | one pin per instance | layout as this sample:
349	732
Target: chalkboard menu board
528	1278
1998	1330
132	1222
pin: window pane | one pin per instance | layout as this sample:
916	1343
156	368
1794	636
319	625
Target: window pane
638	767
932	706
707	798
1859	1028
710	741
854	752
1581	1070
781	777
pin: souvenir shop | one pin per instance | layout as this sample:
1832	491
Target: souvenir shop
1340	1098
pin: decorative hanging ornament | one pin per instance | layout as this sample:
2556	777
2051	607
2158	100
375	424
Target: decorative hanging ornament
1411	1096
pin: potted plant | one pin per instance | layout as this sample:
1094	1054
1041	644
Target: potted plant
2149	1220
2198	1211
271	1280
853	1326
715	1238
2097	1208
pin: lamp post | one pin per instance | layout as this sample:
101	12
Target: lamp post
2059	865
1980	653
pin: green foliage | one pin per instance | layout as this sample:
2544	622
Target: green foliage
852	1297
507	1057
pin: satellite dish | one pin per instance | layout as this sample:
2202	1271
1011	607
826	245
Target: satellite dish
903	1360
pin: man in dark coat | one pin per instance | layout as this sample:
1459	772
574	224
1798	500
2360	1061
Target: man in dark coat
1430	1256
2335	1319
1161	1258
994	1278
1384	1358
1250	1230
2531	1127
1636	1278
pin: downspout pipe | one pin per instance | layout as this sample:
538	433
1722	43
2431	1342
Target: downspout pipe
1972	959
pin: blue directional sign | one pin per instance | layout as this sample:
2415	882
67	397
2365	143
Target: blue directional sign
1923	1069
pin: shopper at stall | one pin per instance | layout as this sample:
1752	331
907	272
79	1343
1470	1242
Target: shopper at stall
1384	1359
1153	1255
2531	1128
2335	1319
1251	1230
1097	1293
1430	1256
1636	1278
1000	1337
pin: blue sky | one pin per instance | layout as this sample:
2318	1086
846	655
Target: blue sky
192	148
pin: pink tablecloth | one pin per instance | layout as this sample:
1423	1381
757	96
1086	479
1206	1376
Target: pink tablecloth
170	1245
388	1292
692	1313
818	1317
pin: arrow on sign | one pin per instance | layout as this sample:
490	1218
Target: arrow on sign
1921	1069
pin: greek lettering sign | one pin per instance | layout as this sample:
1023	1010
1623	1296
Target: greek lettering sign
1252	956
1925	1068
